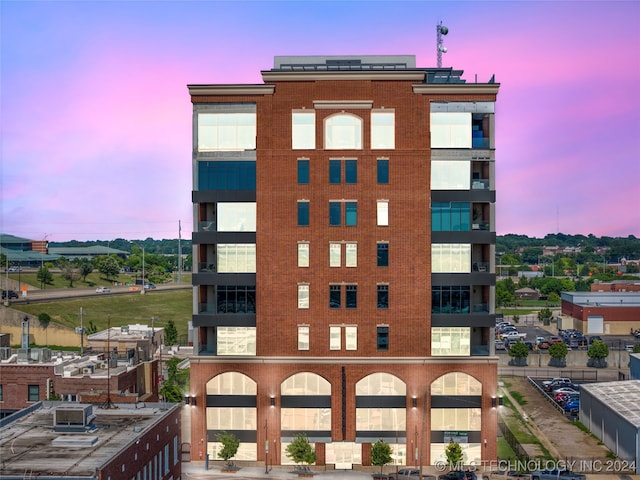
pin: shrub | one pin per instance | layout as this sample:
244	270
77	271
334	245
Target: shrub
380	454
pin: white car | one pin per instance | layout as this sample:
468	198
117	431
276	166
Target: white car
103	290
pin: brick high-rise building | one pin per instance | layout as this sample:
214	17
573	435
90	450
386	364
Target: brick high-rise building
344	270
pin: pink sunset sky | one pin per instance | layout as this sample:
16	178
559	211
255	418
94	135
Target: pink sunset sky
96	117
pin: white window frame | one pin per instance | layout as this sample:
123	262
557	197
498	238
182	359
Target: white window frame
451	258
383	130
303	296
450	341
343	131
382	210
303	254
335	255
335	337
236	217
351	255
351	337
236	257
303	130
450	175
303	337
226	131
450	129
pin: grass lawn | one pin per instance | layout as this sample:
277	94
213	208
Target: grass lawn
504	450
121	309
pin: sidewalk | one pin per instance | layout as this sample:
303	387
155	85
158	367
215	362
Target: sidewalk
196	471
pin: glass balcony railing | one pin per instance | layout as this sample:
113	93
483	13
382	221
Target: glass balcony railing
480	267
227	308
480	184
479	142
207	226
480	350
480	225
206	267
480	308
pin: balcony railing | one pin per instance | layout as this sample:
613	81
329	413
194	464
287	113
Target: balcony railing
480	267
480	350
480	184
480	225
480	308
227	308
206	267
207	226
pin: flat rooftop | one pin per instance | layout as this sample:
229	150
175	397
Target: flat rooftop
29	445
621	397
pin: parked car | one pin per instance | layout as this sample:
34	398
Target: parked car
103	290
542	343
557	474
14	269
506	475
458	475
149	286
9	294
500	345
593	338
556	380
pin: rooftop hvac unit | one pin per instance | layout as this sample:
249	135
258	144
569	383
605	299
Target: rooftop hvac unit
5	353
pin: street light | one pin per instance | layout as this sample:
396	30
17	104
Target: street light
142	248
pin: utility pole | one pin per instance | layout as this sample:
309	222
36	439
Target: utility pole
179	253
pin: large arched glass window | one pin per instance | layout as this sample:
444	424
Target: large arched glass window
456	414
224	393
305	407
343	131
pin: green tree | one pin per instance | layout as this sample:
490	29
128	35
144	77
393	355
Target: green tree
68	271
108	266
505	292
170	333
453	452
230	446
519	353
636	349
545	315
44	276
380	454
85	267
171	392
597	353
301	451
554	298
558	353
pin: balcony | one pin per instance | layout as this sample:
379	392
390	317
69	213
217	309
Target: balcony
480	350
206	267
480	267
207	226
480	225
239	307
480	184
480	308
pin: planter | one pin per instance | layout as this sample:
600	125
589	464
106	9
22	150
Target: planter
518	362
229	469
304	473
558	362
597	363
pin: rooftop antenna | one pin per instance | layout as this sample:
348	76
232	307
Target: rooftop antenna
108	404
441	30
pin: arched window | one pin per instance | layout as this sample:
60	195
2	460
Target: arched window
343	131
456	400
224	392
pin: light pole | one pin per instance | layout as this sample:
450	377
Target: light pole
141	247
44	247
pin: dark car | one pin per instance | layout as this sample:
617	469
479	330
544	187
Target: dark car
9	294
458	475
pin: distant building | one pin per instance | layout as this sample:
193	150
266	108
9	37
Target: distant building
616	286
58	441
608	313
527	294
30	375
